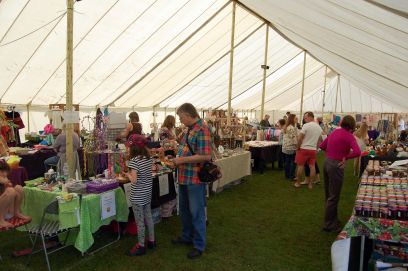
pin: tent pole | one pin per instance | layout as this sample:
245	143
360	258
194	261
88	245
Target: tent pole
69	95
234	7
154	115
341	100
337	93
28	117
303	85
324	90
264	67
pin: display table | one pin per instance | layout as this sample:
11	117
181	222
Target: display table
378	226
366	158
163	189
34	162
18	176
89	215
263	152
233	168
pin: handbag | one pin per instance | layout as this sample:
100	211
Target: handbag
209	172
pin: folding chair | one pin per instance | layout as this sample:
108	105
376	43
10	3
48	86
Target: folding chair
47	230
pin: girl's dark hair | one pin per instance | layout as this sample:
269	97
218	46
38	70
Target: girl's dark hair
137	151
4	166
282	122
188	109
137	127
134	117
348	123
169	122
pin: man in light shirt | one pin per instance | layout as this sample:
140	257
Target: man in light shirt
309	138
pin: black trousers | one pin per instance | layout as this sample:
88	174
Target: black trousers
333	182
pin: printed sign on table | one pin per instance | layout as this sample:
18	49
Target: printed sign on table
164	184
108	205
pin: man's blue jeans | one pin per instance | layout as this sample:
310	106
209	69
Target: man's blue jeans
192	213
52	161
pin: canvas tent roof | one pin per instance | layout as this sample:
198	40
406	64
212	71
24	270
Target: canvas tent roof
163	53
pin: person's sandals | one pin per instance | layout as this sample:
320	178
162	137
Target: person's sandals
297	185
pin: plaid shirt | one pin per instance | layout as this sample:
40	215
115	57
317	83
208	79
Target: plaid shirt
199	139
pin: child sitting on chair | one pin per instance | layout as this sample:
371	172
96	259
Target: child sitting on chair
11	198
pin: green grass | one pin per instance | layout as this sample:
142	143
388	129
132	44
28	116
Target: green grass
262	224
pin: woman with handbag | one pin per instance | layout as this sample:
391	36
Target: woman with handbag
194	151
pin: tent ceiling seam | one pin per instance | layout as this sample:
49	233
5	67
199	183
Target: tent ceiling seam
62	62
172	52
29	59
344	58
211	65
104	80
192	60
215	79
121	33
362	15
292	86
14	21
261	79
389	9
279	32
337	33
352	26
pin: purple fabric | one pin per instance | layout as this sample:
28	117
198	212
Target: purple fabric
99	186
373	134
18	176
34	163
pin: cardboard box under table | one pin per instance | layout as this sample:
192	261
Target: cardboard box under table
87	211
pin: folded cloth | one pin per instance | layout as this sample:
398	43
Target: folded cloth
68	212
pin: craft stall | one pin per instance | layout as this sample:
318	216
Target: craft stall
234	166
379	223
85	205
263	152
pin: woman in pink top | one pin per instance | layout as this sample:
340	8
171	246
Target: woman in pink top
338	146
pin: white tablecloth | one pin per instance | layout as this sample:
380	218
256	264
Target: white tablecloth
233	168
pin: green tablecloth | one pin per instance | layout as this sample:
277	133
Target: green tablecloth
90	212
91	217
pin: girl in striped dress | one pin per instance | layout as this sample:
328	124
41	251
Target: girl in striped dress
140	175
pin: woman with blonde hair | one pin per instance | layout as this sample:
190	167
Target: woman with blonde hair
361	136
290	134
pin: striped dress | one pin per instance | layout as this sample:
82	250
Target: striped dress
141	191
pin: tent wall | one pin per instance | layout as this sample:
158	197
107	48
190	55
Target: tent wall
164	53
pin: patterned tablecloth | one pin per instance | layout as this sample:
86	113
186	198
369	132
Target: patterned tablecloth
376	228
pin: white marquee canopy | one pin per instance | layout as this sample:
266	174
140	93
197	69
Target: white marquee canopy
163	53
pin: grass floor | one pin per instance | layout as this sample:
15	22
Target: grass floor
262	224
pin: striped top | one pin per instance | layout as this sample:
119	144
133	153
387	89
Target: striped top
141	191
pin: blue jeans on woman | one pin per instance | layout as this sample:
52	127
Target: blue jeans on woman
290	166
51	161
192	213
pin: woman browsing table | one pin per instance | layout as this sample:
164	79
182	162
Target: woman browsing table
337	146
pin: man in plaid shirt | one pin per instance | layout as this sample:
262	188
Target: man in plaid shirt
191	190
